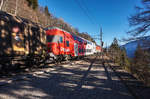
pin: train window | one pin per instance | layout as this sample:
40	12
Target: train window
79	50
50	38
67	43
82	50
90	50
61	39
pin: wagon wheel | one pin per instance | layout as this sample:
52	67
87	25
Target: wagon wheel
67	58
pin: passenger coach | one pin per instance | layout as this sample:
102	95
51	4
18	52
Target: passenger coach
64	45
60	43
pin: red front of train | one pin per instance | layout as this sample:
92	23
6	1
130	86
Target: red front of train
98	49
60	43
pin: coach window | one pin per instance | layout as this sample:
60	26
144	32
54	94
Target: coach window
79	50
61	39
50	38
67	43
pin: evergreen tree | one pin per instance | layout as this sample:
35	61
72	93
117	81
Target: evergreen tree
119	55
124	60
114	51
141	64
115	42
46	11
33	3
140	23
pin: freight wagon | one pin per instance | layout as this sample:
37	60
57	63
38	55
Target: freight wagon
19	39
24	41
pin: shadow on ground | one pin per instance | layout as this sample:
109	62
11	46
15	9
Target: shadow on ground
71	82
136	87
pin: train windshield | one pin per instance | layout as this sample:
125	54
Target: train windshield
52	38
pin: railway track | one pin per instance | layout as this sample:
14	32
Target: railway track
78	79
127	79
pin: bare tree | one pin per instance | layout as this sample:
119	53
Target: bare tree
16	7
140	21
1	4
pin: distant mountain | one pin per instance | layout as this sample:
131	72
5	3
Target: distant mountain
131	46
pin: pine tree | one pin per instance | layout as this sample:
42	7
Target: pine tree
119	55
124	60
115	51
47	11
33	3
141	64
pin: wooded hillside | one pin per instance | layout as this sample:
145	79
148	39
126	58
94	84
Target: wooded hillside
31	10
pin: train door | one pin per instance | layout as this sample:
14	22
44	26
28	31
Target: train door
75	49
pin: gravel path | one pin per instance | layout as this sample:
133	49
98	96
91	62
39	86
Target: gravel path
76	80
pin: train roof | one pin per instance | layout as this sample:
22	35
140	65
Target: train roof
49	28
74	35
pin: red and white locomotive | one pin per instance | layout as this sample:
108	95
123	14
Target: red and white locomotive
62	44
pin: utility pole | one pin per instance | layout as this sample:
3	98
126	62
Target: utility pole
101	39
101	42
101	35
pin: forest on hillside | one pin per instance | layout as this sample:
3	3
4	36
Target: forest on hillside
31	10
139	65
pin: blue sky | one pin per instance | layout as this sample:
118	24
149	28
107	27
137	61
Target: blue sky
111	15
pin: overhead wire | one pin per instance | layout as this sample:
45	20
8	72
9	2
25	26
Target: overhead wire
87	13
93	17
84	11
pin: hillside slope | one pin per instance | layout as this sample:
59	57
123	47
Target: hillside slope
131	46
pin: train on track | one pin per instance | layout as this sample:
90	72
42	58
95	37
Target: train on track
64	45
24	40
